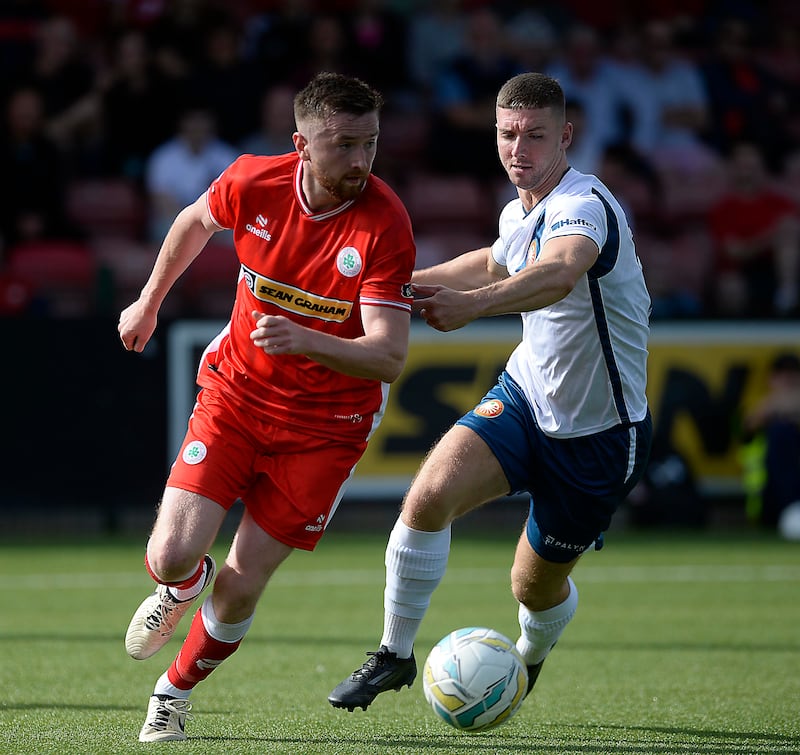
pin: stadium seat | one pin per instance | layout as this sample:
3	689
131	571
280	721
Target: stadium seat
124	265
676	268
790	177
438	203
15	295
689	194
436	247
403	141
106	207
208	285
61	276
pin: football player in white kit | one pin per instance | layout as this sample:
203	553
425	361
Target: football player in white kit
567	421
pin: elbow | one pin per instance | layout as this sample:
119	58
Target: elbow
392	369
392	365
564	285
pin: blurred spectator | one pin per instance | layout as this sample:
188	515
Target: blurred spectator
325	48
62	75
675	256
771	432
181	169
177	34
274	136
587	77
532	39
378	37
276	38
585	154
462	135
670	105
226	82
634	181
675	263
436	34
780	56
33	172
747	102
19	20
756	235
138	107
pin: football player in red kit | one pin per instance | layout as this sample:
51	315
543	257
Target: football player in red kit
293	386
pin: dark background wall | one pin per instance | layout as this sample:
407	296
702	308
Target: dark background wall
83	420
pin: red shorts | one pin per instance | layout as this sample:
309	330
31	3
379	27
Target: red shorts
291	482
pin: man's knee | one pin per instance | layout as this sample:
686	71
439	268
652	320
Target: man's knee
536	583
427	507
523	585
171	560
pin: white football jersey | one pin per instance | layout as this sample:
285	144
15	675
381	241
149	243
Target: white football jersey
582	362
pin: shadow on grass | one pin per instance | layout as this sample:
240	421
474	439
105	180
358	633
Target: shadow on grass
721	741
67	706
417	743
556	741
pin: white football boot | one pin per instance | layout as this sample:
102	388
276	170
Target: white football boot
157	617
166	719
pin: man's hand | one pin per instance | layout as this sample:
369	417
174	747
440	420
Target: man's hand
278	335
137	324
443	308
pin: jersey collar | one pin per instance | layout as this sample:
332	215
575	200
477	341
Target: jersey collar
298	191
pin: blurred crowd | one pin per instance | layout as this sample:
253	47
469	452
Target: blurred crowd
117	113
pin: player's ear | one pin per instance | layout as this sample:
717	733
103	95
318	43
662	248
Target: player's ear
301	145
566	135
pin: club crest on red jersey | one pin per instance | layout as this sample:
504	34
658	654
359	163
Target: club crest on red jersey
348	262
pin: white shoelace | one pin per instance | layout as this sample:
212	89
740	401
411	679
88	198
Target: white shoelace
166	708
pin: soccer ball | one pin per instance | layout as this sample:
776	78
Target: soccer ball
789	522
474	679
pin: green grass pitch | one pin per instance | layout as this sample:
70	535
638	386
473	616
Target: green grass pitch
683	643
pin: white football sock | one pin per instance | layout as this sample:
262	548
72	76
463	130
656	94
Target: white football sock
189	593
220	631
165	687
541	629
415	564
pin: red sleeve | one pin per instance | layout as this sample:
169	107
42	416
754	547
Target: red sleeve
389	272
222	197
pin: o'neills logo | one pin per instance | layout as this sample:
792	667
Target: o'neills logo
260	228
491	408
296	300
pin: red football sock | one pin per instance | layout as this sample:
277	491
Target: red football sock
199	655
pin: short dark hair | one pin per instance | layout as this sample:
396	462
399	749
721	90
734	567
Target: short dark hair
330	93
531	91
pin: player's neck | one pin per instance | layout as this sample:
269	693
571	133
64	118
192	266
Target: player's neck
320	200
317	198
531	197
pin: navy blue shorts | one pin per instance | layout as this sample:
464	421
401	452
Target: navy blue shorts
575	484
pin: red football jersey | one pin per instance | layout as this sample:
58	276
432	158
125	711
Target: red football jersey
318	269
746	218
